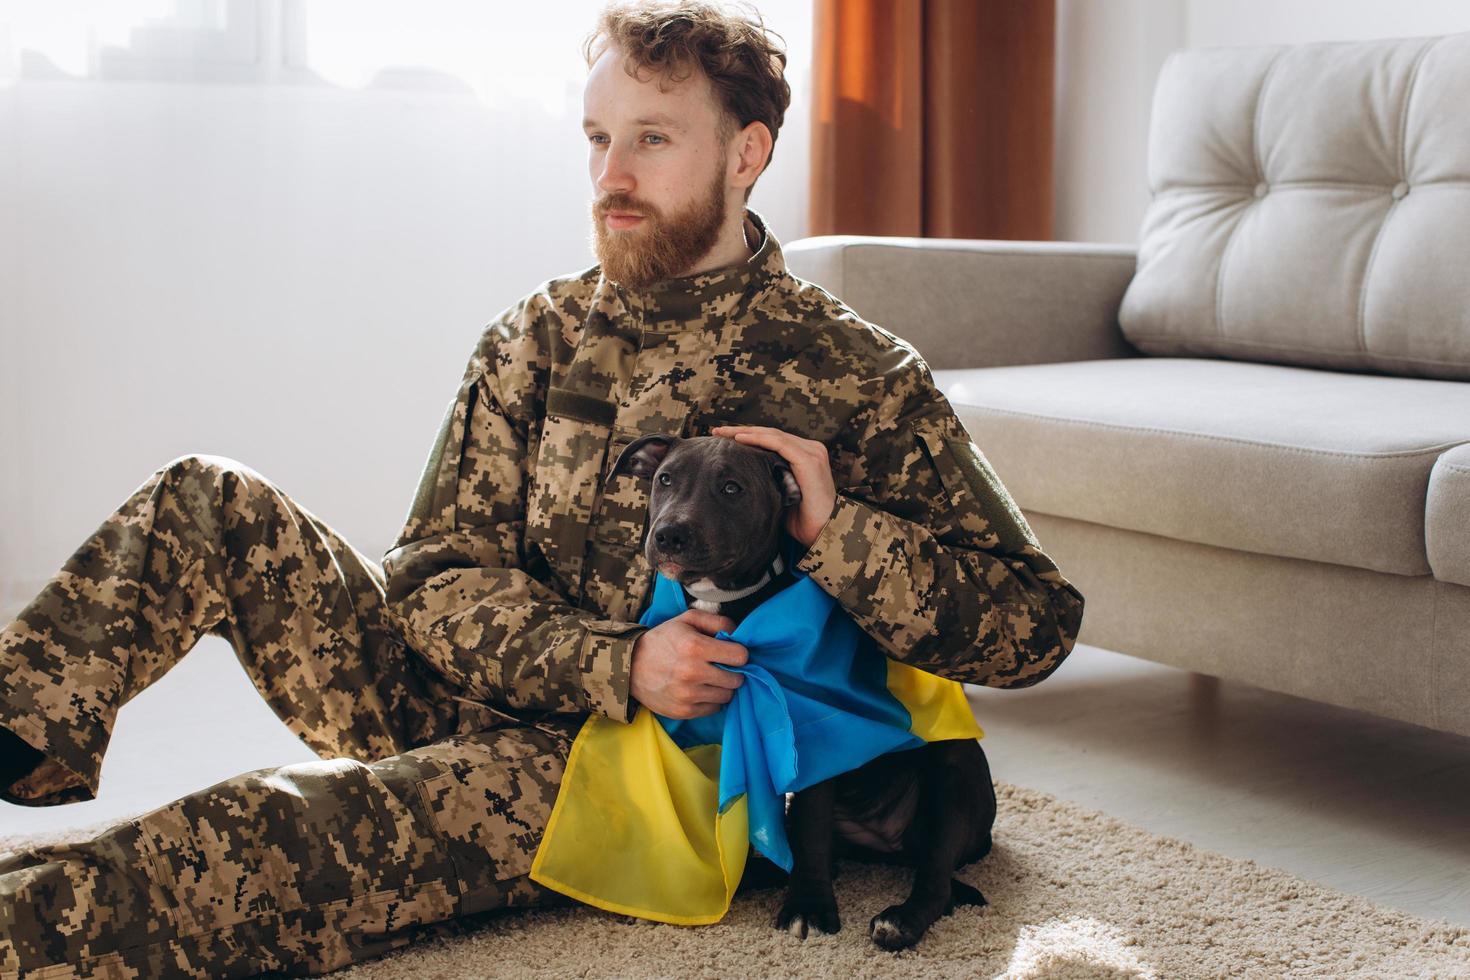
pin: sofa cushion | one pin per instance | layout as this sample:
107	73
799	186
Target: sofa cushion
1310	205
1286	461
1447	517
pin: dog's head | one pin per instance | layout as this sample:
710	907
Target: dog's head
716	507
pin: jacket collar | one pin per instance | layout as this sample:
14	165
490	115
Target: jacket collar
715	295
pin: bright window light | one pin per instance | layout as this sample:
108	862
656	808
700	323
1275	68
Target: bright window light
69	33
529	50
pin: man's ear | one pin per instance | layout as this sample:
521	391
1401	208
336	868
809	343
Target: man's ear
643	455
786	483
754	144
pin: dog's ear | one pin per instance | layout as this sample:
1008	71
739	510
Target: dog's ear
785	482
642	456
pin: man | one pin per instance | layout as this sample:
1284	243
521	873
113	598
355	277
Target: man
445	695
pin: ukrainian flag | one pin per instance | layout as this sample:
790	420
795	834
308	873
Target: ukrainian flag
655	817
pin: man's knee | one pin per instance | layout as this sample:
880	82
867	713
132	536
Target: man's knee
203	486
205	465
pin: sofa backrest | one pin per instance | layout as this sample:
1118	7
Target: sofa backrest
1311	206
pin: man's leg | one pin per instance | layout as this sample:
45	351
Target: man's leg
302	868
208	545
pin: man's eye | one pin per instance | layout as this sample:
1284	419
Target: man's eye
663	478
655	137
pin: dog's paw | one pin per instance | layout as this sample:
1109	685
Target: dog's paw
803	909
899	927
961	893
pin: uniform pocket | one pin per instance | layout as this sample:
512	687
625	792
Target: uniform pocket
570	457
622	503
619	578
976	506
272	841
491	805
952	488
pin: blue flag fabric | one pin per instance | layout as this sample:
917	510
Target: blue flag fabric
815	702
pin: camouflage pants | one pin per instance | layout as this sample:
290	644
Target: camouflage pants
425	807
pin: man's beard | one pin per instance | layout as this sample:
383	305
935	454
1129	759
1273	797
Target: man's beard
658	248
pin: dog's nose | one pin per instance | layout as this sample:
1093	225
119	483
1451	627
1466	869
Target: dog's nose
672	539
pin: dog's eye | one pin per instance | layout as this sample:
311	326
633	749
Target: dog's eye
731	483
663	478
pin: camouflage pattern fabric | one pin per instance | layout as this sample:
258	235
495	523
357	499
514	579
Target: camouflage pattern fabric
443	691
426	805
520	574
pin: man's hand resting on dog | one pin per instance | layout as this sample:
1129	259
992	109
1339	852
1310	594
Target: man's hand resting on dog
673	672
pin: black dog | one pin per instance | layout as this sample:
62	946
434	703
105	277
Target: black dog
716	513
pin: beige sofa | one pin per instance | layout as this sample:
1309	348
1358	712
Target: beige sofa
1246	440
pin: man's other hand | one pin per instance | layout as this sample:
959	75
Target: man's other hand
673	672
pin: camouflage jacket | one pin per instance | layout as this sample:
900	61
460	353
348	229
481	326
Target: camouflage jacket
520	573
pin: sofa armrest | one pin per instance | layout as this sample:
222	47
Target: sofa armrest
978	302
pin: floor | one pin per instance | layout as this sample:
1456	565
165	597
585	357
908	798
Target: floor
1363	804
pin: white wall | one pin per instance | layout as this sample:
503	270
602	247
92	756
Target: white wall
1109	53
220	251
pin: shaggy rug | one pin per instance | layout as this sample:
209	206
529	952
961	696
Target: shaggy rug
1072	892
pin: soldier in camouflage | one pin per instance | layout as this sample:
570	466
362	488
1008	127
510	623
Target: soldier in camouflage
443	690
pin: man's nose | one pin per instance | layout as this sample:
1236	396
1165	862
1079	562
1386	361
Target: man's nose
617	175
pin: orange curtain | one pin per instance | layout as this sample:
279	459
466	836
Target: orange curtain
933	118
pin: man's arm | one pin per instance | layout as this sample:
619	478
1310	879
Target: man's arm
927	551
456	585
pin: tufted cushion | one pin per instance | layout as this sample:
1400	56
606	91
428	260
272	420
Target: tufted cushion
1311	206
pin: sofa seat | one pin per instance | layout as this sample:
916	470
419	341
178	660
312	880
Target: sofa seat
1447	517
1278	460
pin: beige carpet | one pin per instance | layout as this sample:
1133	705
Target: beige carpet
1073	893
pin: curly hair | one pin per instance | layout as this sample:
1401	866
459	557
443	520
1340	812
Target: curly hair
745	67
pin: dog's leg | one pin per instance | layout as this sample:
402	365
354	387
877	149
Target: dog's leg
760	872
952	827
809	897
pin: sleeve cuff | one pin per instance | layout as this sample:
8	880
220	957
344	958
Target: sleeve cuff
847	545
606	664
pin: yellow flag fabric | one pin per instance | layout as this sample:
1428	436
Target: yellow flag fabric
636	827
